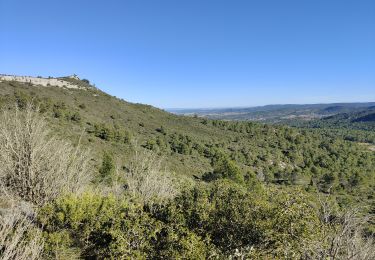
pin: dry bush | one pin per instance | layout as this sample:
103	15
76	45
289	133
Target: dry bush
36	166
343	235
19	238
145	177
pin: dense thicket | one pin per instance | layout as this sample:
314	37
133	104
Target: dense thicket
220	220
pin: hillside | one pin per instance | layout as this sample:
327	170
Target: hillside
361	120
356	126
91	110
354	117
349	121
188	144
233	166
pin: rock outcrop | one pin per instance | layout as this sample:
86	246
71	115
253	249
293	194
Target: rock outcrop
45	82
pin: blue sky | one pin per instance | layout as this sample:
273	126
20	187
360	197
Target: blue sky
198	53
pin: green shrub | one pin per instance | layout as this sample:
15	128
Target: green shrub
233	218
224	168
107	169
100	227
93	226
175	242
76	117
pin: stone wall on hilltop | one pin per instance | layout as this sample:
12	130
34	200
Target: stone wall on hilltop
46	82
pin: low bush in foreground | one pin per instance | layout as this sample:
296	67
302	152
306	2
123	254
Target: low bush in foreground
218	220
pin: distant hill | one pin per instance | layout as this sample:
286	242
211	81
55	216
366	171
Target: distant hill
334	109
277	113
367	115
356	120
367	118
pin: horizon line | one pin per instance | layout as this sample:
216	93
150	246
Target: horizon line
276	104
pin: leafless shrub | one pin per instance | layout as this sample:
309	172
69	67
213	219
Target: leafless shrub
19	238
36	166
145	177
343	235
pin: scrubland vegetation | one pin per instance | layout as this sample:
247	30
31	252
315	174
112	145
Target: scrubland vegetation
87	176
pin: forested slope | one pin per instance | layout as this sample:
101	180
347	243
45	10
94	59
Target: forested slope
218	165
190	144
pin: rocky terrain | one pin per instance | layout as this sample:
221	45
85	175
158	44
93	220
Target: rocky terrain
39	81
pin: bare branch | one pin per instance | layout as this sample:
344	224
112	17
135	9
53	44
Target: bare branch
19	238
36	166
145	177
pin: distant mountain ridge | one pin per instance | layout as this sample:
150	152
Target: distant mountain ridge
277	113
365	115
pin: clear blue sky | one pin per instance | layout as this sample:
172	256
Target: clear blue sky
198	53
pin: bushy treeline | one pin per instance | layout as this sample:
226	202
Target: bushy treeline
108	133
279	155
213	221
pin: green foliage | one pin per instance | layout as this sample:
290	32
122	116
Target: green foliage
233	218
85	81
175	242
213	220
108	133
76	117
151	145
226	168
107	169
103	132
21	99
99	226
105	227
